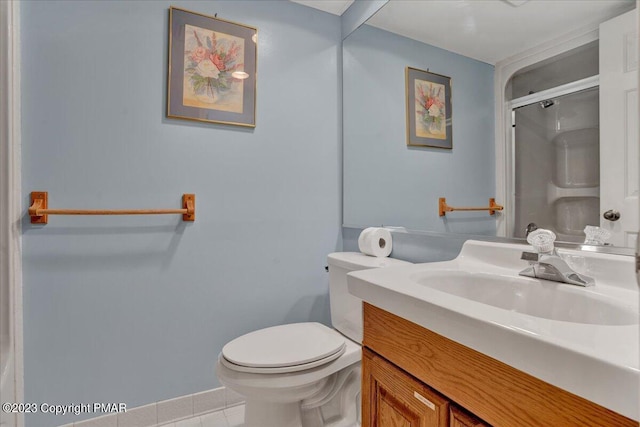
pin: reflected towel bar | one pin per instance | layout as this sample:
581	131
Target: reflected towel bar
39	209
443	208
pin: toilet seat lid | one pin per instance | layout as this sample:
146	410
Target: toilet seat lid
284	346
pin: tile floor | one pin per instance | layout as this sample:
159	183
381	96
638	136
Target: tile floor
230	417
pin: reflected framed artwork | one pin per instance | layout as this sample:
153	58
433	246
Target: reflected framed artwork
212	69
428	109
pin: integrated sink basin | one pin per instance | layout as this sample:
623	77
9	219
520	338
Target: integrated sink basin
538	298
581	339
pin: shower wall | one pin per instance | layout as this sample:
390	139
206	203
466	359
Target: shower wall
557	172
570	66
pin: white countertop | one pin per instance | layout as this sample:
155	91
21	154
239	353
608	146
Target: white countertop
599	362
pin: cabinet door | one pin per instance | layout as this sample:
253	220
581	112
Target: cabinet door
460	418
392	398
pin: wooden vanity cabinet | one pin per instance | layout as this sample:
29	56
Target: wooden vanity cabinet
396	399
413	377
392	398
460	418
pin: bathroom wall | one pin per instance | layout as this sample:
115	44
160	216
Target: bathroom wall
386	182
136	309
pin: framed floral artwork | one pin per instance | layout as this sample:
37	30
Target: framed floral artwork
212	69
428	109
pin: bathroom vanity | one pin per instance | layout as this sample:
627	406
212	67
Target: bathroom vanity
468	342
415	377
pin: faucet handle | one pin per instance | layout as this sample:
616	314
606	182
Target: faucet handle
542	240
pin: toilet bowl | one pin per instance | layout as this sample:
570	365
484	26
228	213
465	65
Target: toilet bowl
304	374
282	396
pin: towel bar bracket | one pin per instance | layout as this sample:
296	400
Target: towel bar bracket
189	203
39	200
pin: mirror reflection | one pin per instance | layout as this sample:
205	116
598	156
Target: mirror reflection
544	120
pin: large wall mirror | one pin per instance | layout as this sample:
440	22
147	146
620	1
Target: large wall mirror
533	144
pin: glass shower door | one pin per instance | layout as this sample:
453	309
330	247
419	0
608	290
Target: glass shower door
557	165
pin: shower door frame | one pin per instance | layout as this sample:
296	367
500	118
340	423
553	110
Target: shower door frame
555	92
11	207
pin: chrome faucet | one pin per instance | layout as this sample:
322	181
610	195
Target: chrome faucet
531	227
550	266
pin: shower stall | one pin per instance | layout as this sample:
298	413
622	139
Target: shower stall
557	164
556	145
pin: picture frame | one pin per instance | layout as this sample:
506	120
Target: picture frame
212	69
429	113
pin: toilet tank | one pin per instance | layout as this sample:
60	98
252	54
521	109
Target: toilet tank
346	309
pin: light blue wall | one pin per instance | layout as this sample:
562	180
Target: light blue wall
386	182
136	309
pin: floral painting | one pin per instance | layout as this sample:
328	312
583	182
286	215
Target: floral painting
212	69
430	110
212	61
429	122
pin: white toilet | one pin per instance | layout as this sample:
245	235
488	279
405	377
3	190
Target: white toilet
304	374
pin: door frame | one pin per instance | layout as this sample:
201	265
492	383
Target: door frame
638	49
10	199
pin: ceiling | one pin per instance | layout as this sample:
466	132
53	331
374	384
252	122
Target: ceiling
486	30
337	7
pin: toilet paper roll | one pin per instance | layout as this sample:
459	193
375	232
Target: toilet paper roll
375	241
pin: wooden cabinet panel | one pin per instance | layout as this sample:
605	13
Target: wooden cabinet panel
460	418
392	398
490	389
391	413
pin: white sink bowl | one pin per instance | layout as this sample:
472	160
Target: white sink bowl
538	298
583	340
